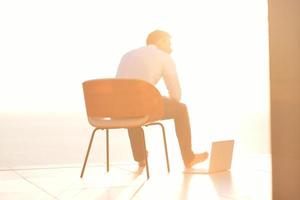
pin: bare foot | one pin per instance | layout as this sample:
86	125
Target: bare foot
139	170
142	165
201	157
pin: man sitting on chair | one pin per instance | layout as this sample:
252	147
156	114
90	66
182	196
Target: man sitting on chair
151	63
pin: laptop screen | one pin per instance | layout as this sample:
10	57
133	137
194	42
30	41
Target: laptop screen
221	156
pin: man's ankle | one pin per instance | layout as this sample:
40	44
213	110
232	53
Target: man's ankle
142	163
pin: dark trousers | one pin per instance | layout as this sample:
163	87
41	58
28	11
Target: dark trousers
172	110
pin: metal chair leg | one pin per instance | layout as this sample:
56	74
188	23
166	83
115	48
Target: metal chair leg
166	149
88	152
147	167
107	150
165	142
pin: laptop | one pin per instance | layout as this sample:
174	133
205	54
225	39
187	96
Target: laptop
220	158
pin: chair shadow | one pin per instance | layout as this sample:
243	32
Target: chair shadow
134	174
129	183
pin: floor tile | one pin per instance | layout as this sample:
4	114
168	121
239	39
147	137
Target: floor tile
8	175
249	179
117	177
54	181
15	187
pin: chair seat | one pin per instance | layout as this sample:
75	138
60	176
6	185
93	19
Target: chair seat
108	123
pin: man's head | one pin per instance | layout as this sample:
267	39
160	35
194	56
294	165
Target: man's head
161	40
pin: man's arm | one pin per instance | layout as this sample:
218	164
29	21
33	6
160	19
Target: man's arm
171	79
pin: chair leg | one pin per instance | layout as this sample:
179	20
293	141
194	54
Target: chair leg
88	152
165	142
147	166
107	150
166	149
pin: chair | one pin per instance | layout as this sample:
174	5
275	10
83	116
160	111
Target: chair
122	103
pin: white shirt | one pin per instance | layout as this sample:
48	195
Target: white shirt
151	64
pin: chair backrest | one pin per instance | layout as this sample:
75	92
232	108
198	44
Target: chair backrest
122	98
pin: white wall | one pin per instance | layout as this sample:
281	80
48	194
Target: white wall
48	48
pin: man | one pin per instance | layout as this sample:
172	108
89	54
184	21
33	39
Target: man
151	63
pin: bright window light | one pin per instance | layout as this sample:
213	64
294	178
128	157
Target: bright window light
48	48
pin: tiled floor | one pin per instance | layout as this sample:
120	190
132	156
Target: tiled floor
249	178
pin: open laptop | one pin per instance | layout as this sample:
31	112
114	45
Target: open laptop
220	158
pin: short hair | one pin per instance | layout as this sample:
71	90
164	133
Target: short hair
156	35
